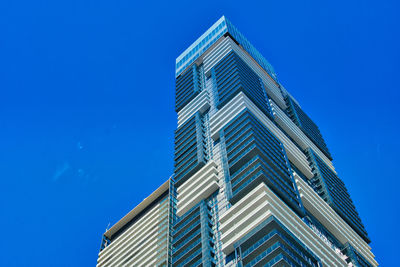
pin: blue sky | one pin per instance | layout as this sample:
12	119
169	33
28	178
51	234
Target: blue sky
87	108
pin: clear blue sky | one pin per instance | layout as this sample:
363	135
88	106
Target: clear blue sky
87	108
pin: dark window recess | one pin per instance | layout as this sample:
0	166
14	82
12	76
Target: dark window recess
309	128
255	156
190	148
271	242
187	87
332	189
192	238
232	75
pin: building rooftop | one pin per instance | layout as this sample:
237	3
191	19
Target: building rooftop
206	40
136	211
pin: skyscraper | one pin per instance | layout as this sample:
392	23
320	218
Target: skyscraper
253	184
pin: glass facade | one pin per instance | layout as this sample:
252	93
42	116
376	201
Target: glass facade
256	156
201	45
192	237
188	86
239	37
234	198
332	189
249	155
190	148
271	243
300	118
232	76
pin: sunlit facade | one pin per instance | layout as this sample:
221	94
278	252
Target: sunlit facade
253	182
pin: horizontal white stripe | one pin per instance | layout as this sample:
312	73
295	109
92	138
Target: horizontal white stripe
331	220
205	189
198	187
257	206
227	45
207	170
217	53
146	231
297	134
238	104
200	103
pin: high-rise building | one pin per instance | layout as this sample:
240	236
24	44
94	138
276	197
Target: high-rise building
140	238
253	184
